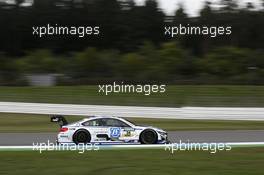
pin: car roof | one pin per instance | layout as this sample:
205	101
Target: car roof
100	117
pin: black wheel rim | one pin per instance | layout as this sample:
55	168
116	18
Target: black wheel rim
82	137
149	137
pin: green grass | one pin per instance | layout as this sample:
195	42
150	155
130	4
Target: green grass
41	123
29	123
175	96
242	161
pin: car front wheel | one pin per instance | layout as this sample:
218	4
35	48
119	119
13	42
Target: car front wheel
148	136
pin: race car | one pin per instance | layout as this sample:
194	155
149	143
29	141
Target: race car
107	130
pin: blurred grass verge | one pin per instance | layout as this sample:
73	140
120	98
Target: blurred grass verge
175	96
235	162
12	123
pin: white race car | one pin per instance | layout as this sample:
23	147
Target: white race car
107	130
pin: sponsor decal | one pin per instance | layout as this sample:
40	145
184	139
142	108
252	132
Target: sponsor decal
138	128
129	129
65	136
115	132
128	134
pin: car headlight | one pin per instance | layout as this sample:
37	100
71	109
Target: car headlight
162	133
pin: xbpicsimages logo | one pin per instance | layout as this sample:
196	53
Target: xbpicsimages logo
56	30
146	89
189	146
212	31
50	146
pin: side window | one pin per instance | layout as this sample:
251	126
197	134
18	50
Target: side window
96	122
114	123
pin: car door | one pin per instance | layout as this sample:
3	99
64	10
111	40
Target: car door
119	130
97	129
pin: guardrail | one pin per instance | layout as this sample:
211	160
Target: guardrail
210	113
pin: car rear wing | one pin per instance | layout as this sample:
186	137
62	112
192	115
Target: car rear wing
59	119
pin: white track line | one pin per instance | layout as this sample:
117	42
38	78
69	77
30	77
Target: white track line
103	147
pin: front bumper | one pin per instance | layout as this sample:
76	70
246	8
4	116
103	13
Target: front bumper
163	138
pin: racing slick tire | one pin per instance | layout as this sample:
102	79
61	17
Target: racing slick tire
81	136
148	136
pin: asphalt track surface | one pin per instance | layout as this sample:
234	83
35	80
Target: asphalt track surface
27	139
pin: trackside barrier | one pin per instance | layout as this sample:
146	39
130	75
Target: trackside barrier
210	113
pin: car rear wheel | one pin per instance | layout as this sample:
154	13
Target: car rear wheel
81	136
148	136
